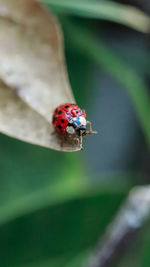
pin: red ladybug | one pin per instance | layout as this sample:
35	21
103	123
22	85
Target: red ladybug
70	119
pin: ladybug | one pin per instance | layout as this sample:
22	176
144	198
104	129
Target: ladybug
70	120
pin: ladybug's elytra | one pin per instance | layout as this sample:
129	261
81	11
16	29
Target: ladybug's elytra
71	119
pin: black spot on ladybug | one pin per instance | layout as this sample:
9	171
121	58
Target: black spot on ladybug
59	112
59	126
66	106
77	111
62	121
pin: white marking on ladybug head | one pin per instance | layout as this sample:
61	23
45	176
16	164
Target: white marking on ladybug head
82	121
71	121
78	121
70	130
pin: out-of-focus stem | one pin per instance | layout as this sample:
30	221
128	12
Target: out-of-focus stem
131	216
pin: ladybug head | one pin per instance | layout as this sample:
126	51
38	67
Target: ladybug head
77	125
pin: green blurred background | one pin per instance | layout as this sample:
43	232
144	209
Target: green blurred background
55	206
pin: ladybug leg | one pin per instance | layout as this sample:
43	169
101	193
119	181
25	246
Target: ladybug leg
90	128
80	142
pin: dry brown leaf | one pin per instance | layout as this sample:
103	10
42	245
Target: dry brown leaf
18	120
32	66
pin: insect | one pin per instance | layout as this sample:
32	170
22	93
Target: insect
69	120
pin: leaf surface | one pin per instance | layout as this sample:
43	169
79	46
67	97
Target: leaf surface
32	66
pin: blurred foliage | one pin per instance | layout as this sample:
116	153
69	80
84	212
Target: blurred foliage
107	10
122	72
51	214
47	213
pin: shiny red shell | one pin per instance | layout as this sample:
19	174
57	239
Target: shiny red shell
63	114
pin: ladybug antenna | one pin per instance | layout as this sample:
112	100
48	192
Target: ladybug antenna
90	131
